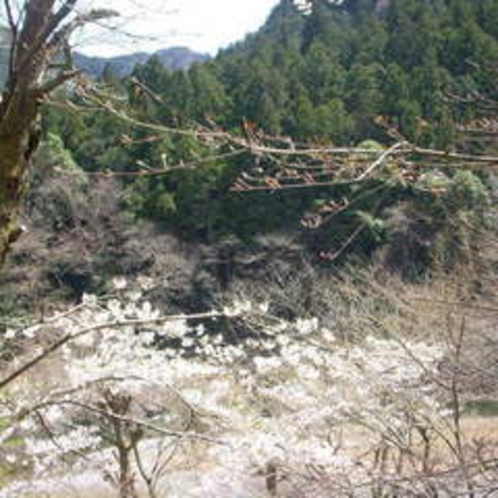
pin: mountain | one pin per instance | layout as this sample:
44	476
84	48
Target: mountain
172	58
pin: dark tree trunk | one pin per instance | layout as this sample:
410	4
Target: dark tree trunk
34	44
18	140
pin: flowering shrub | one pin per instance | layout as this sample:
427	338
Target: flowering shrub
290	409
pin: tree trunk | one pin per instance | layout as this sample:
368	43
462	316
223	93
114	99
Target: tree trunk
40	38
18	140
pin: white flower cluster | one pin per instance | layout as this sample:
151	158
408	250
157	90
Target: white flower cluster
275	397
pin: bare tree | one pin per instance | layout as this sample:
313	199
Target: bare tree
40	31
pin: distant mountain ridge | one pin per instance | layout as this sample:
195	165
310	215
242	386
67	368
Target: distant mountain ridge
176	58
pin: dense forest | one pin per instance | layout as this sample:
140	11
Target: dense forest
322	74
138	156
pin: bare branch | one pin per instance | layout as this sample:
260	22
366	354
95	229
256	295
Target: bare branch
14	34
57	81
380	161
104	326
135	421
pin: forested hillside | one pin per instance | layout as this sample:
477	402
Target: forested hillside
326	73
270	274
321	75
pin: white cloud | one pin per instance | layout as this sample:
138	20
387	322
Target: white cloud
203	25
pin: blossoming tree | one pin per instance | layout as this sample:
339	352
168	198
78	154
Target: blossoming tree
141	399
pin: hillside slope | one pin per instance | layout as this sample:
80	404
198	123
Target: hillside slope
315	78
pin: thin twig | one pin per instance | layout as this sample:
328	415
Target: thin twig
96	328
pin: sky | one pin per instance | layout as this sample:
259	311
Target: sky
148	25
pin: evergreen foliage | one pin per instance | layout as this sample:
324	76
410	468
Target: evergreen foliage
318	71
